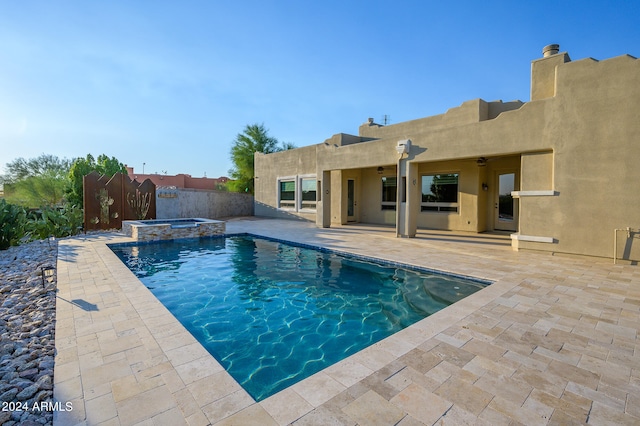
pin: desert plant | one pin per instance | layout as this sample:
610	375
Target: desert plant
12	224
51	222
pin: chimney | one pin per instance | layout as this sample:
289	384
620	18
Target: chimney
543	72
551	49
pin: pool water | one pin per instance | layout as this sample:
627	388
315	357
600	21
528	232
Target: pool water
273	313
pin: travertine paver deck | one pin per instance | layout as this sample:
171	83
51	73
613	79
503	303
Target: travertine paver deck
554	340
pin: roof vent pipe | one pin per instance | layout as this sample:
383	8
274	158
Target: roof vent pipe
551	49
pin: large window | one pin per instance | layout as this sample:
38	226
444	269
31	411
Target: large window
287	194
308	193
440	193
297	193
389	192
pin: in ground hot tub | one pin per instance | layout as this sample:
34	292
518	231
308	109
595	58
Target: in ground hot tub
169	229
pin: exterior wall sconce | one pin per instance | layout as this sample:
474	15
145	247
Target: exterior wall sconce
47	274
380	170
485	187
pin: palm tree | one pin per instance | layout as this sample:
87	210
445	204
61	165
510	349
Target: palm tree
254	138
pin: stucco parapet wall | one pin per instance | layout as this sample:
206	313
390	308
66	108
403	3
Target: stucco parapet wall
473	111
587	62
443	143
366	154
159	231
574	74
302	152
342	139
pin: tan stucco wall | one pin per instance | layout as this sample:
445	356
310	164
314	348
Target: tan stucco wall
537	171
371	202
543	75
469	112
596	148
466	219
576	145
268	168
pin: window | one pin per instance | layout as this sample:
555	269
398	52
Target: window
308	197
287	194
389	191
440	193
297	193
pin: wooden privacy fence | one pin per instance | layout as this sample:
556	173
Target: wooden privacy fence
108	201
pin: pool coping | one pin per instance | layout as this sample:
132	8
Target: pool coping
342	254
345	373
130	360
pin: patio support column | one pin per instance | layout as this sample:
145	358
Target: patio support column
413	199
323	209
407	199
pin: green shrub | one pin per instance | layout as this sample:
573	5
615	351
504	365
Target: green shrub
16	223
54	222
12	224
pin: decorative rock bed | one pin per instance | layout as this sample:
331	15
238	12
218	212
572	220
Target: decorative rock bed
169	229
27	327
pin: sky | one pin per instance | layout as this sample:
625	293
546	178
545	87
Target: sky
166	86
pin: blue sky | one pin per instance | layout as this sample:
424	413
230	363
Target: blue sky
170	84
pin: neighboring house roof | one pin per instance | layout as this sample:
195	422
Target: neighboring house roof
181	180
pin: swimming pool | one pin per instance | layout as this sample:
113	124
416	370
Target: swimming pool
274	313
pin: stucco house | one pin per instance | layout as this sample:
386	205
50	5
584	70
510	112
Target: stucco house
560	173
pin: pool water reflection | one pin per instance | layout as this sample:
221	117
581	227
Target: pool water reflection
274	313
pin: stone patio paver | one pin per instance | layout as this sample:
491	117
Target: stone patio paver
554	340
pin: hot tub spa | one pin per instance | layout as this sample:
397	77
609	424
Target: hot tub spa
171	229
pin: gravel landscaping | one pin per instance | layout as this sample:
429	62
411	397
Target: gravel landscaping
27	327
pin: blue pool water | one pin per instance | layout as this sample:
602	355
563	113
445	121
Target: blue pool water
273	313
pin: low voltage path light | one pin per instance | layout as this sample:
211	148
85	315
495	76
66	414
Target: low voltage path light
47	274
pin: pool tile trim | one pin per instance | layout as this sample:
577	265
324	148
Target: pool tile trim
385	262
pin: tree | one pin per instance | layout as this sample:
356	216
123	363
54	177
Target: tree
36	182
20	168
254	138
444	188
83	166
